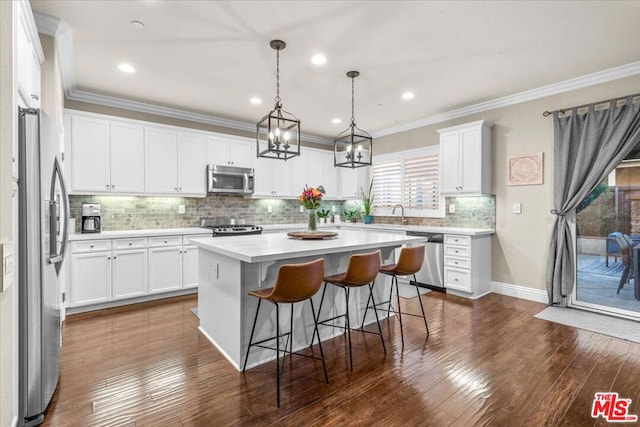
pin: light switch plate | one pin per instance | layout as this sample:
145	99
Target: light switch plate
517	208
269	209
8	265
452	208
181	209
301	208
333	208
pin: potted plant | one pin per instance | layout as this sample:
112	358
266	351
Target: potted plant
323	214
367	203
351	215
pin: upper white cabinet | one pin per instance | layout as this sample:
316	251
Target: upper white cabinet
351	181
174	162
465	154
106	156
274	178
28	57
322	172
230	151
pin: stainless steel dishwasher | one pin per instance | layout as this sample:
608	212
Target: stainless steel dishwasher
431	275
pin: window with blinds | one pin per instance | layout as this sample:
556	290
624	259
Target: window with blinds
410	178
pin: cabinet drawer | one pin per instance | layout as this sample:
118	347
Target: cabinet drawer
165	241
454	239
460	251
133	243
185	239
451	261
90	246
457	279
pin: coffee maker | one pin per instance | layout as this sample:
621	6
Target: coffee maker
91	218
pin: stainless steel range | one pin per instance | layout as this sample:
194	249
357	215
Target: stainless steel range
229	227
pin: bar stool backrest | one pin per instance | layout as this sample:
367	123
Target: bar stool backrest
410	260
362	268
298	282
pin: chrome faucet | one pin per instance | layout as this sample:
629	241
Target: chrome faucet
393	212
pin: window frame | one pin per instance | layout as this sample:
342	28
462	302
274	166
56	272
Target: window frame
402	157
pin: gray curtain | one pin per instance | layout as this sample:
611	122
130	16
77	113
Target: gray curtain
587	147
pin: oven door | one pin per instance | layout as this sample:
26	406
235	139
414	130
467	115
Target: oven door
225	179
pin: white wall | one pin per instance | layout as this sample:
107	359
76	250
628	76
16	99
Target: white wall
520	245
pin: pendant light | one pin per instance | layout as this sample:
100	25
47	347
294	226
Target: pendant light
353	147
278	133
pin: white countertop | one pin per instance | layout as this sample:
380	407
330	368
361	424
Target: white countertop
278	246
120	234
359	225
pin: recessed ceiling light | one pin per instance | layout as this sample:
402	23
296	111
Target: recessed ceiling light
380	105
255	101
137	24
408	95
336	121
126	68
319	59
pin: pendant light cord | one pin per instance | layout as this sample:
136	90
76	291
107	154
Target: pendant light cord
353	96
277	77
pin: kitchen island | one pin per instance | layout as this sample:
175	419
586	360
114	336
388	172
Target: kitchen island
230	267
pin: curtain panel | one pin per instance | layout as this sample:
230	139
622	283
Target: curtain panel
587	147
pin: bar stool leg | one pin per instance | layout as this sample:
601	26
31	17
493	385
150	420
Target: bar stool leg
315	324
421	306
316	319
390	299
366	310
348	325
278	352
399	311
253	329
376	313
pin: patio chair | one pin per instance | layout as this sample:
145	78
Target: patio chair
613	249
626	256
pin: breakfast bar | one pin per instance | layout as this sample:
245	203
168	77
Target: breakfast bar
230	268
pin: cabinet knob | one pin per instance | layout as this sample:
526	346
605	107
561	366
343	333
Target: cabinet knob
115	257
455	280
113	186
107	186
130	244
91	246
180	188
108	257
165	241
34	96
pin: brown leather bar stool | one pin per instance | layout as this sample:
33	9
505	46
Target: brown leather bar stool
294	283
361	271
409	263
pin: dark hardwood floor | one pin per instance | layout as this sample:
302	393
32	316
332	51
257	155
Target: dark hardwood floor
486	362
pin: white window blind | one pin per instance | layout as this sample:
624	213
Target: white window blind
387	184
421	183
410	178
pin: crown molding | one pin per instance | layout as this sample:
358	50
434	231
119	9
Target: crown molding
63	35
610	74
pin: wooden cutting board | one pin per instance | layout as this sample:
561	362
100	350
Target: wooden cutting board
306	235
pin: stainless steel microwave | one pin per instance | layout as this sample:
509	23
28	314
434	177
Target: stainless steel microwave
229	179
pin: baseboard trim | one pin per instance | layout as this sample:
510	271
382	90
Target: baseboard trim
537	295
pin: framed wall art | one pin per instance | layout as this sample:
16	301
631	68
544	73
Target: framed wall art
525	169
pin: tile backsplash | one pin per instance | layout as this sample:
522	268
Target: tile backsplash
141	212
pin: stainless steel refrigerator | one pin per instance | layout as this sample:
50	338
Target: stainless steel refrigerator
43	212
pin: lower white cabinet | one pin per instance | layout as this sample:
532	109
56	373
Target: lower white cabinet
467	265
108	270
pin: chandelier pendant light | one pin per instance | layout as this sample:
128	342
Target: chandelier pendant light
278	133
353	147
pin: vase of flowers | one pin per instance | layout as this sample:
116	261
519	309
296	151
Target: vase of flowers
311	199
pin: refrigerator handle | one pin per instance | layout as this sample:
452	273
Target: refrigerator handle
64	220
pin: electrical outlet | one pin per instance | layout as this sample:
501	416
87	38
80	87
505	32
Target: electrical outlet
181	209
6	256
517	208
452	208
269	209
301	208
333	208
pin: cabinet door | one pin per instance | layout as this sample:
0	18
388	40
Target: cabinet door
161	166
189	267
217	151
241	153
165	269
348	183
90	155
329	175
90	278
281	174
262	176
450	163
127	158
300	172
192	169
471	163
316	169
129	273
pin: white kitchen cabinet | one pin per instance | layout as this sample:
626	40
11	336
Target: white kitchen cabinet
174	162
90	278
129	273
90	155
322	172
230	151
465	159
29	56
126	157
189	267
467	265
192	170
165	264
106	156
273	178
352	181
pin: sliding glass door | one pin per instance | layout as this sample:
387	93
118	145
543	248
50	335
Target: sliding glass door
607	224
